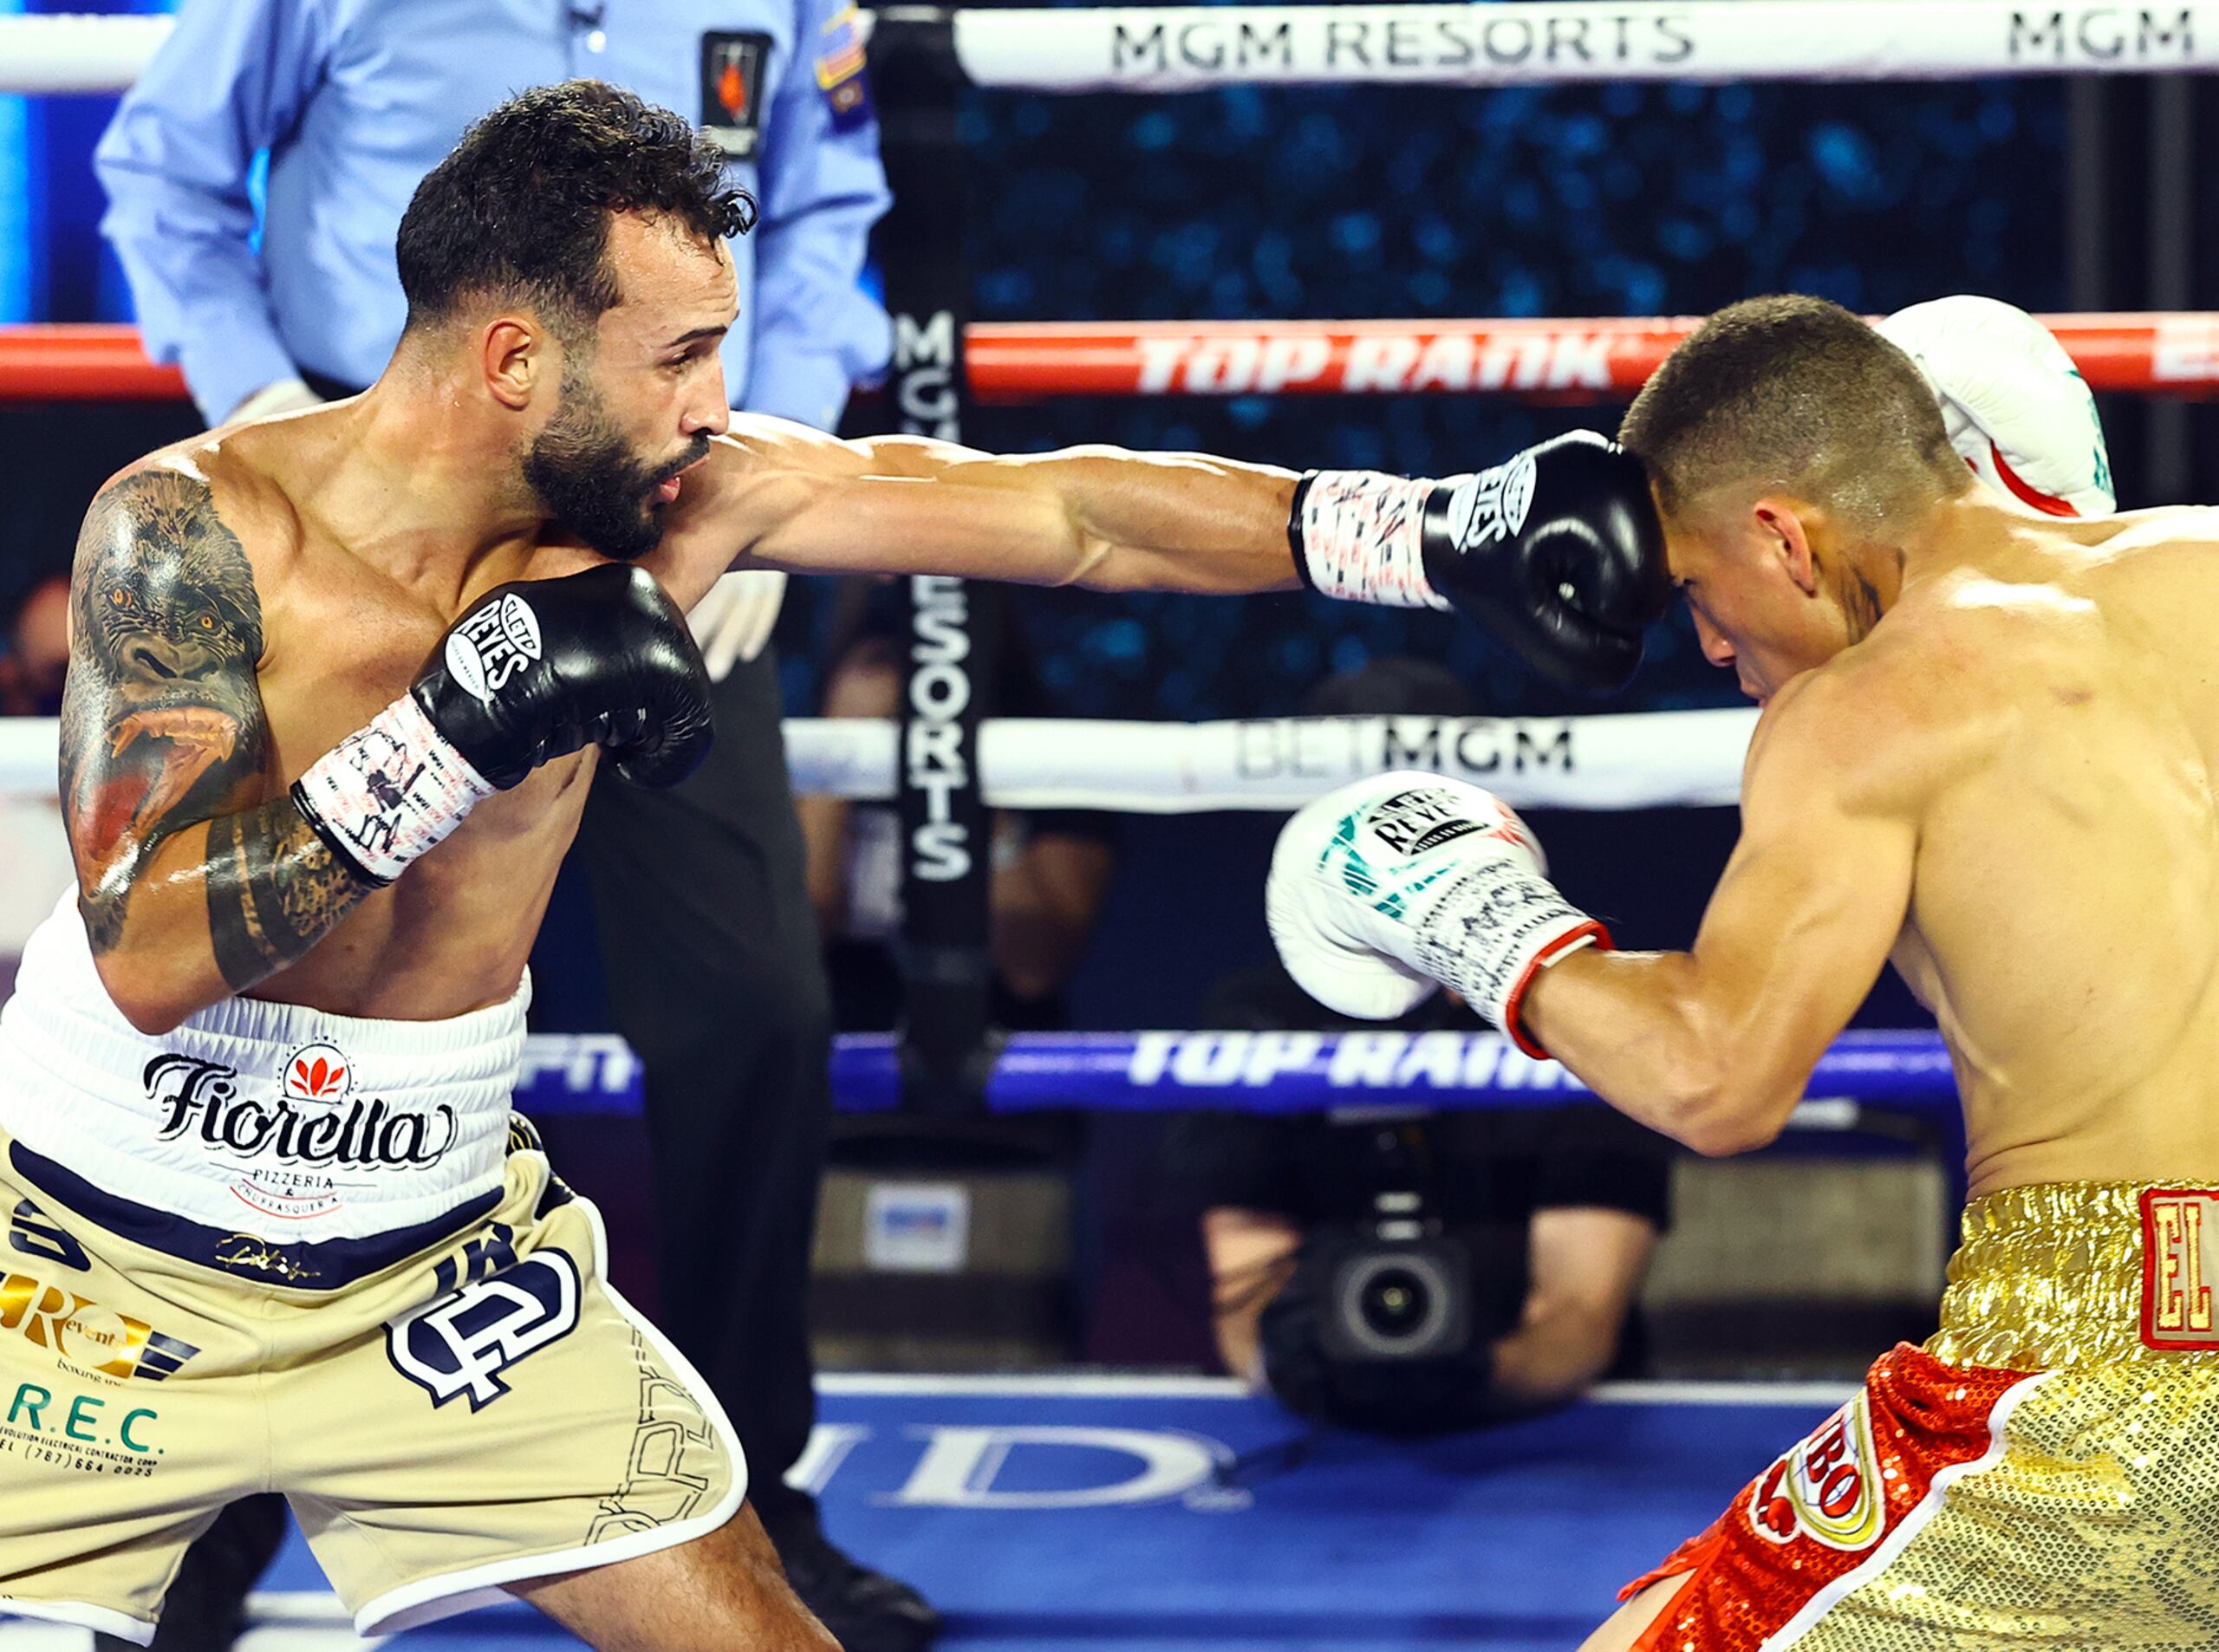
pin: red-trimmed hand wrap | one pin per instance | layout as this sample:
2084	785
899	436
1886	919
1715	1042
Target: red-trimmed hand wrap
1382	890
388	792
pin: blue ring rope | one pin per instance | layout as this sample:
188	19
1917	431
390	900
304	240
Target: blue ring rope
1248	1072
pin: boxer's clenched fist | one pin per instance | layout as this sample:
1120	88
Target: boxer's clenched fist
1557	552
536	670
2016	408
1385	888
545	668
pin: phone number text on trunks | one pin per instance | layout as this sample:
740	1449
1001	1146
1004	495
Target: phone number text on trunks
39	1428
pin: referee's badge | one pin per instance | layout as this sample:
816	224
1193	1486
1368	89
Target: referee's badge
840	72
734	68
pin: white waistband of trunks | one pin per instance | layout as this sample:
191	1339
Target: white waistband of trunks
272	1120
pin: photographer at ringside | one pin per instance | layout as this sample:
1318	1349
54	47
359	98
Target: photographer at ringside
1406	1270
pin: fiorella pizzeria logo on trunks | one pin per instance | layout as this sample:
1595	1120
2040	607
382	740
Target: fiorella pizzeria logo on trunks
1827	1488
289	1141
492	644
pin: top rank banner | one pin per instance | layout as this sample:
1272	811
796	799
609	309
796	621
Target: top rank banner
1179	48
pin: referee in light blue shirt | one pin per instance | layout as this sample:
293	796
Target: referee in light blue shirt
708	940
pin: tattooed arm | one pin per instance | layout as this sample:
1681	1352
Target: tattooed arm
193	884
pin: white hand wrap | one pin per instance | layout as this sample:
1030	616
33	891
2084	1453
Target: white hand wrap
388	792
2016	408
1381	888
1357	535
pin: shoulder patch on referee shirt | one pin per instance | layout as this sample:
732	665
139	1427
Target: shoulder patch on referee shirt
840	71
734	68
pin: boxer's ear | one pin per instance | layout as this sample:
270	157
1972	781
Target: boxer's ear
1787	540
512	353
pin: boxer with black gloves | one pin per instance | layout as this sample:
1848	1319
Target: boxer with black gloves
1555	552
260	1072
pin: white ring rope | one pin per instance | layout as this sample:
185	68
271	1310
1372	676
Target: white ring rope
1175	48
67	53
1533	42
1618	760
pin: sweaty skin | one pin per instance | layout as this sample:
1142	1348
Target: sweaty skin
1987	757
245	601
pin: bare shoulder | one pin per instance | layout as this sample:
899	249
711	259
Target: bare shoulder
2180	525
162	722
210	495
154	540
1881	728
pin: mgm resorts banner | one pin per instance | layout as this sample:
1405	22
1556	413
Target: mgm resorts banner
1176	49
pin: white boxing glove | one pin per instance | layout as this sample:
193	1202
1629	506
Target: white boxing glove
2016	408
733	621
1383	888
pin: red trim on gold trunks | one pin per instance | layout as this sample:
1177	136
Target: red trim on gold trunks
2180	1235
1827	1505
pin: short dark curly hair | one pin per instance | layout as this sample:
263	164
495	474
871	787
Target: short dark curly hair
521	206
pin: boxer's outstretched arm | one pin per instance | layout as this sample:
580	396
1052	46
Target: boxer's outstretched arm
193	886
1713	1046
781	495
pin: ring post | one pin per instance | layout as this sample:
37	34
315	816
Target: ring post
948	1042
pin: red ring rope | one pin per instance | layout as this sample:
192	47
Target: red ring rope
2174	353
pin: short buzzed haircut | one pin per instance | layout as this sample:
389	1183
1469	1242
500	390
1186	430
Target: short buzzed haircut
520	209
1798	394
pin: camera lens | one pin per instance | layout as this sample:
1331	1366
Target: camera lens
1395	1303
1392	1303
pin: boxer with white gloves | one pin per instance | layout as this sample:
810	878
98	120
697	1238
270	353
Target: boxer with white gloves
1383	890
1985	739
2016	408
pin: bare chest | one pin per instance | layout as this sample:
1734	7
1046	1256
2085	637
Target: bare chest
454	931
2065	886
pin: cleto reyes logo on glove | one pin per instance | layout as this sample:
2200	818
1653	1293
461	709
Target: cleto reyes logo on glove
1492	505
487	648
1412	822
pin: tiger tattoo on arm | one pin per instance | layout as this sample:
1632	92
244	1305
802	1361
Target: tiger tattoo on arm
163	729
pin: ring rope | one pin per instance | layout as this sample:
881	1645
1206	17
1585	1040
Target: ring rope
1253	1072
1617	760
1311	1072
1174	49
2174	353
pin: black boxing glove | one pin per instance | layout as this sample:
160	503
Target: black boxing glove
1557	552
538	669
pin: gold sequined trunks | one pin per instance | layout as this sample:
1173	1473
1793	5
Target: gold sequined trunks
2043	1474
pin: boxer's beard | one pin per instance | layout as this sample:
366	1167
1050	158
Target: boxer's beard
592	484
